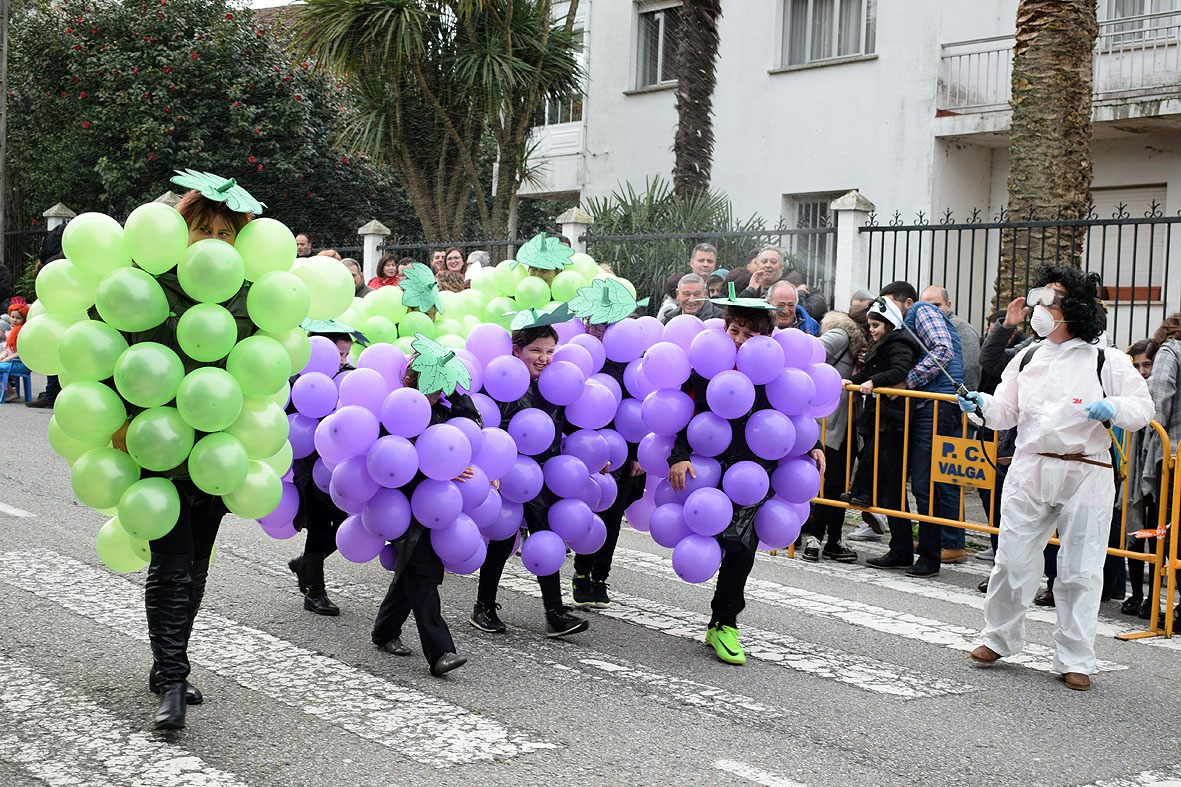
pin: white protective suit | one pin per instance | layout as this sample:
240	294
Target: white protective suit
1046	401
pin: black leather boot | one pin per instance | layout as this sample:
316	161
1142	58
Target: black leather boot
200	570
167	595
311	577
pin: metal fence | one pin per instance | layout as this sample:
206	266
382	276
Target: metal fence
420	251
1134	256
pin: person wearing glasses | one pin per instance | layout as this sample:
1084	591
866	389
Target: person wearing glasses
1062	394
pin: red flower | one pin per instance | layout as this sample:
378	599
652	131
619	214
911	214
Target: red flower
236	105
151	157
82	94
35	221
135	70
250	51
145	95
115	71
167	131
250	159
298	97
167	109
63	95
229	16
77	47
305	65
85	124
260	167
344	159
258	131
194	55
167	69
75	79
93	30
69	29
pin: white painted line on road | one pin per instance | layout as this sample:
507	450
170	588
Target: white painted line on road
62	738
417	725
1169	776
887	621
17	512
755	775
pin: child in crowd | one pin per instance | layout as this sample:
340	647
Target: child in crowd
1141	513
18	312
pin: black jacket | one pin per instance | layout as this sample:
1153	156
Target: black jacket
887	363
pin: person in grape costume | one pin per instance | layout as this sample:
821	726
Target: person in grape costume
744	318
418	571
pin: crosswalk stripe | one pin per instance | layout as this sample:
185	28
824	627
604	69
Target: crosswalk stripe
62	738
914	627
417	725
1169	776
17	512
755	775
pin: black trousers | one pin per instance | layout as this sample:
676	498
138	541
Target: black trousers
322	521
499	553
197	526
416	589
827	519
598	565
729	593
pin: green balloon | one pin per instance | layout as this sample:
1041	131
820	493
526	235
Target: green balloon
469	322
283	396
131	300
159	439
295	341
101	476
266	245
507	278
566	284
95	243
278	301
452	306
211	271
497	308
262	427
89	411
65	288
88	350
386	301
156	236
260	365
627	285
484	282
149	508
359	307
474	302
142	548
451	341
280	461
532	293
206	332
119	551
67	447
330	285
405	344
585	265
218	464
258	495
416	322
209	399
39	340
147	374
448	326
379	329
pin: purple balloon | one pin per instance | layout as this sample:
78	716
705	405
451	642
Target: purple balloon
696	558
561	382
819	352
653	452
709	434
474	490
489	411
348	432
569	518
682	329
506	378
543	553
569	329
770	434
497	454
635	381
730	394
629	420
565	475
321	474
532	430
791	392
667	525
579	356
388	557
472	431
667	411
489	340
715	324
405	412
364	387
746	483
301	432
443	452
594	347
594	409
664	493
797	350
639	513
286	510
610	383
324	359
392	461
507	523
314	394
351	486
708	511
796	480
608	491
486	512
387	514
593	540
777	524
616	446
522	482
827	380
589	446
457	541
387	360
653	329
807	433
472	564
436	503
803	510
760	358
355	543
280	531
666	365
712	351
625	340
709	473
824	409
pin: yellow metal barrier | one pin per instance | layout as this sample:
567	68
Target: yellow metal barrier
1163	567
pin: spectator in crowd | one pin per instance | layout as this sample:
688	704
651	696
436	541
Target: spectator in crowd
51	249
740	277
1136	515
562	239
387	272
303	246
716	283
691	299
453	260
941	344
18	312
333	253
450	281
703	260
813	302
860	298
355	269
782	295
768	269
476	260
669	304
438	258
404	265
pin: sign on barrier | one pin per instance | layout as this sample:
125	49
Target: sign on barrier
963	461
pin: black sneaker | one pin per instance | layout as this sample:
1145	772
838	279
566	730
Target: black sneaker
559	622
840	553
924	568
811	554
485	619
888	560
600	599
855	499
581	590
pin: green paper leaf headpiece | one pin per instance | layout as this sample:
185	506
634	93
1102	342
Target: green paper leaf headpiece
438	367
747	303
531	318
604	302
544	253
420	290
329	327
219	189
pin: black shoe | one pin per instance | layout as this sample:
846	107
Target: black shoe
193	694
599	594
888	560
446	663
581	590
855	499
839	553
395	647
1145	609
485	619
296	566
171	713
811	554
1132	605
924	568
309	570
42	401
983	586
1045	598
559	622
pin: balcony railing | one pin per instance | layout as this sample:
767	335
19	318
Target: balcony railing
1134	56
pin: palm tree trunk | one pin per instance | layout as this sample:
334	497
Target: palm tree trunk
696	77
1050	152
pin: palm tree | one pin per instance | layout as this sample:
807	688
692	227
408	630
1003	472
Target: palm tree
696	78
1050	151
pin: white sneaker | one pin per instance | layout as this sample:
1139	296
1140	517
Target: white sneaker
877	523
987	555
863	533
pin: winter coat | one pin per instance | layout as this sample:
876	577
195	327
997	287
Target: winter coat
843	342
886	364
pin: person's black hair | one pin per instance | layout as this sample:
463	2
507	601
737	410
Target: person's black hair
761	321
1142	347
740	277
899	290
1080	307
526	336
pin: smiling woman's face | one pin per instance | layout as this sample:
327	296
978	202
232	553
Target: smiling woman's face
537	355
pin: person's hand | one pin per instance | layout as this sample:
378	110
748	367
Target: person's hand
1015	313
969	402
817	455
1101	410
903	385
606	469
677	472
464	476
635	469
867	387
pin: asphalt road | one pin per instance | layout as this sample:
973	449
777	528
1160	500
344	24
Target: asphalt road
855	677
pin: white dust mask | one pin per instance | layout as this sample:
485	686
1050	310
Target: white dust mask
1042	322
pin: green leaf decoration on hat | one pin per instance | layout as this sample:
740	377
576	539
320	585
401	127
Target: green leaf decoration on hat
219	189
747	303
420	290
439	369
604	302
544	253
531	318
333	327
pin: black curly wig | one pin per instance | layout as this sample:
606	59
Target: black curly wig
1081	309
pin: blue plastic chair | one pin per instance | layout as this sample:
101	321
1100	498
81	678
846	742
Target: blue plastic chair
20	374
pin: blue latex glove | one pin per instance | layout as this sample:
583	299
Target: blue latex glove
1101	410
969	402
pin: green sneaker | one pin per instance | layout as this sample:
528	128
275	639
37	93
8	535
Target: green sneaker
724	640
